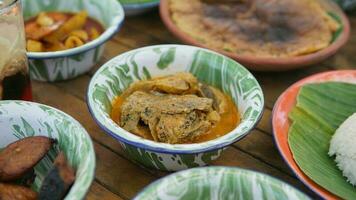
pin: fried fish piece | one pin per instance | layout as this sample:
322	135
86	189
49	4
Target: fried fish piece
169	118
179	83
219	100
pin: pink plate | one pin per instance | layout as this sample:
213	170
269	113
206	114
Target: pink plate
267	63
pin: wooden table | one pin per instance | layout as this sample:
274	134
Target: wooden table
116	176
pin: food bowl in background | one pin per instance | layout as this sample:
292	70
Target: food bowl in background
137	7
209	67
20	119
270	63
68	64
348	5
219	183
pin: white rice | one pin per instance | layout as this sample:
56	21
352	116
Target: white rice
343	147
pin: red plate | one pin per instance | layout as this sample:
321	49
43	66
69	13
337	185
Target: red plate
281	123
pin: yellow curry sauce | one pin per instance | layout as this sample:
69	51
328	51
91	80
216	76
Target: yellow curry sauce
228	121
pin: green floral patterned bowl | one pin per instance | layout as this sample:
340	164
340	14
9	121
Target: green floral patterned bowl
210	67
68	64
219	183
20	119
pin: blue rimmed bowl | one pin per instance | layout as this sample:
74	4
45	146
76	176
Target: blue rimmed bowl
137	7
219	183
68	64
20	119
209	67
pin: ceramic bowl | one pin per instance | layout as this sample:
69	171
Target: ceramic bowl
20	119
281	123
272	64
137	7
348	5
68	64
219	183
209	67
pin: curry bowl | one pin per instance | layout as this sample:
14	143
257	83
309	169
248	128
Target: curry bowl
209	67
70	63
219	183
137	7
260	62
21	119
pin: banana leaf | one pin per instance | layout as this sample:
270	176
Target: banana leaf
320	110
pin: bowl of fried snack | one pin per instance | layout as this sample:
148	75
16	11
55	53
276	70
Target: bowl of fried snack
174	107
65	39
44	153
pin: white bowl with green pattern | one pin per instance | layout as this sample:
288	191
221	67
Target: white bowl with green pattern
20	119
68	64
215	183
137	7
209	67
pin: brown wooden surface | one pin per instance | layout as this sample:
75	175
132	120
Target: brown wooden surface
116	177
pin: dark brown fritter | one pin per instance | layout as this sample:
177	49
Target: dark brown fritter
58	181
16	192
21	156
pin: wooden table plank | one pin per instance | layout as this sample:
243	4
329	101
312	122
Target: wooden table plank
265	124
58	97
240	159
261	146
117	177
99	192
274	83
75	107
132	38
152	25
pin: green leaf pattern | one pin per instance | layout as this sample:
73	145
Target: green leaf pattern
21	119
64	68
219	183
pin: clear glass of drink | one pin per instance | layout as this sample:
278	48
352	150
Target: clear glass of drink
15	83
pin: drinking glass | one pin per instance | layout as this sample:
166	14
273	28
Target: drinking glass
15	82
